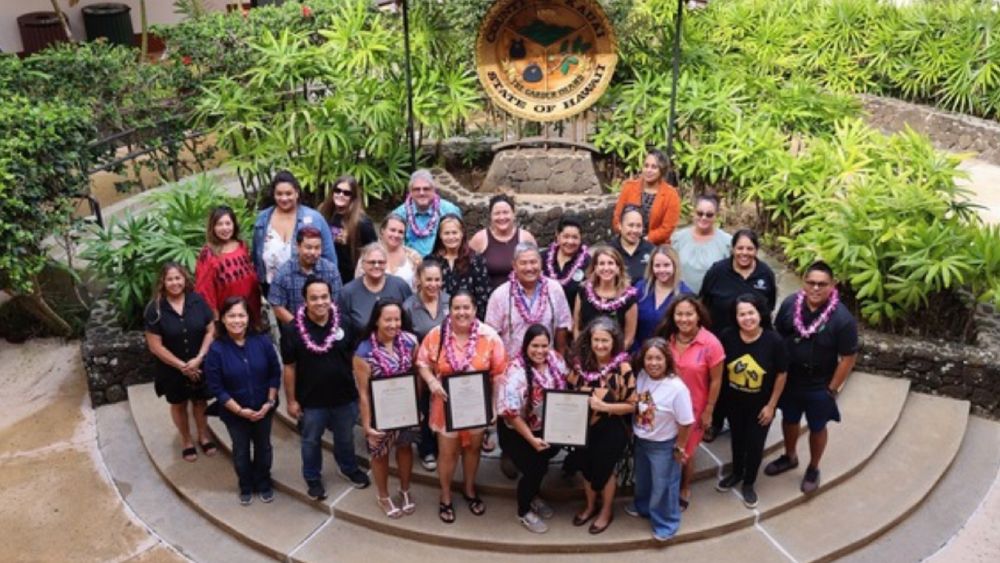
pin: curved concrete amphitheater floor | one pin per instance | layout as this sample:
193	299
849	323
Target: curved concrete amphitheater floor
908	476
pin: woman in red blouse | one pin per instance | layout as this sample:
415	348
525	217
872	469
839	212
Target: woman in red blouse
224	267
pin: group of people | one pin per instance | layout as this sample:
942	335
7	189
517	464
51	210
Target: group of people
671	332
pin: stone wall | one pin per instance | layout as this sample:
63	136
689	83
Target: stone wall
539	214
543	171
964	372
113	358
953	132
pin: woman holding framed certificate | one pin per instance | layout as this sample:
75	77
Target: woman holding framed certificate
389	414
601	367
457	360
520	397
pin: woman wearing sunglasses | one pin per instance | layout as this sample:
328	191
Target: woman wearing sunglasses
702	243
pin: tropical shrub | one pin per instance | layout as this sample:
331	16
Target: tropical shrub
128	254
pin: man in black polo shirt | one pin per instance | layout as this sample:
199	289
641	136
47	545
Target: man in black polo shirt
821	336
317	348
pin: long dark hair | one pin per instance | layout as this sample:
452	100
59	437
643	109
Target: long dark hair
533	332
668	327
661	344
583	351
214	217
464	260
352	218
159	290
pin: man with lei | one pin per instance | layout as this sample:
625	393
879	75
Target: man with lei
316	348
422	212
821	336
528	298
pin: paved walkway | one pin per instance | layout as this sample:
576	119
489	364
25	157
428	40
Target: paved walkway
984	181
57	502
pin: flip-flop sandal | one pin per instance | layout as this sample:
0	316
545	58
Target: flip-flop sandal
476	504
189	454
685	503
446	512
209	448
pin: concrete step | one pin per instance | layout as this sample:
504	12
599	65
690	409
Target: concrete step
209	485
908	466
153	501
868	418
708	459
948	507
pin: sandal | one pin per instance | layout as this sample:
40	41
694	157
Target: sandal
446	512
209	448
685	503
390	509
190	454
408	505
476	504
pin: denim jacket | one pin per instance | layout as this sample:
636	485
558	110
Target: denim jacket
304	216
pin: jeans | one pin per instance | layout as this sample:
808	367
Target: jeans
748	438
532	464
339	420
658	485
253	472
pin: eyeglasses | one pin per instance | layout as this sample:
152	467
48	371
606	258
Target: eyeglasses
705	214
419	189
818	285
343	192
375	262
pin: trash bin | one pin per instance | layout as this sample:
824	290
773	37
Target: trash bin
110	20
39	30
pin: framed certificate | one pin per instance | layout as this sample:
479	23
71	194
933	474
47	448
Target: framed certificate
566	418
469	403
394	401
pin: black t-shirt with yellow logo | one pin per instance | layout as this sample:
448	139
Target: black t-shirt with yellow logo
751	369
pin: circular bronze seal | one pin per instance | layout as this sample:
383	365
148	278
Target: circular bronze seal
545	60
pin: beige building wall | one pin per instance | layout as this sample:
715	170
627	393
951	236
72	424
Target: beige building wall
157	12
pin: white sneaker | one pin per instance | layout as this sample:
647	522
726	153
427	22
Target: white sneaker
429	462
541	508
533	523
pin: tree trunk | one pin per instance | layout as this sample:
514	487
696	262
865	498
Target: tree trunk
63	19
144	22
40	309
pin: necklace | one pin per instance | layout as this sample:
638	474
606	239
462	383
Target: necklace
550	378
411	217
678	340
521	300
592	376
807	331
574	267
607	305
336	333
450	344
399	361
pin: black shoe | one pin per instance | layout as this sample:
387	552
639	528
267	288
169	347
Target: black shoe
811	481
727	482
749	496
359	479
316	490
266	496
780	465
710	433
246	499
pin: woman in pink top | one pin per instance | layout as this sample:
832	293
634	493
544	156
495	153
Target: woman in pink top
698	357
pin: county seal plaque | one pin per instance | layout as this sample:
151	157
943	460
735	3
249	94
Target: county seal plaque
545	60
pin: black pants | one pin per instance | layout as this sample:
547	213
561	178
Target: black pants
531	463
428	442
721	405
748	438
253	470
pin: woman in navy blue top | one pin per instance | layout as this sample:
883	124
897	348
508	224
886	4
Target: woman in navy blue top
660	285
243	372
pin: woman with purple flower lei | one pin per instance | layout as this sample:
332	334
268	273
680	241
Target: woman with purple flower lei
520	396
387	350
607	291
601	366
567	258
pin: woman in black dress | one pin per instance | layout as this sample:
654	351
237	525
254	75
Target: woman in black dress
461	267
178	332
567	258
606	290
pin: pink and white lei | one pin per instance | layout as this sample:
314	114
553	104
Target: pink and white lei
592	376
807	331
335	332
607	305
450	345
551	378
411	216
398	362
521	300
550	263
